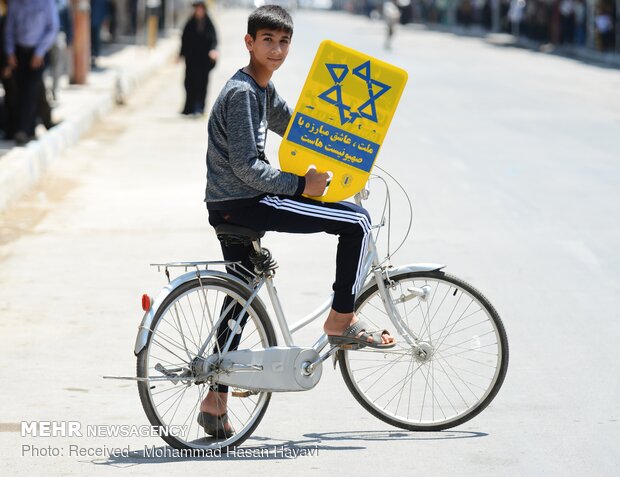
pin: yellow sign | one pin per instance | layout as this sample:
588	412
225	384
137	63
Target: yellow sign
341	118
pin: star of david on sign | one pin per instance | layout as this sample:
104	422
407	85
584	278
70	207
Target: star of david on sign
333	95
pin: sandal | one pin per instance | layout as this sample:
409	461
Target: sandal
216	426
356	336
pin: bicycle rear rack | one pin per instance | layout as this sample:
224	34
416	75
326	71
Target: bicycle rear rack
205	265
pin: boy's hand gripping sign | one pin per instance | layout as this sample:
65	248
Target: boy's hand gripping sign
341	118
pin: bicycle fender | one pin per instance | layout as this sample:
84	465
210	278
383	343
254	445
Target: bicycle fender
147	320
410	267
415	267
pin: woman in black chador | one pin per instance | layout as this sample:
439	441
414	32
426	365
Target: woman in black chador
198	48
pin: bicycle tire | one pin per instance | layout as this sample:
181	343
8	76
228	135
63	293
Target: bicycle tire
484	354
185	297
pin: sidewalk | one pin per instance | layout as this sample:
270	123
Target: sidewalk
587	55
80	106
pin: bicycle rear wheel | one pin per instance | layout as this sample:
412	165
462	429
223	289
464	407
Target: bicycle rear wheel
461	366
172	396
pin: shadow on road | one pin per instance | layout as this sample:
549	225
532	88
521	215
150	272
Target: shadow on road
312	446
399	435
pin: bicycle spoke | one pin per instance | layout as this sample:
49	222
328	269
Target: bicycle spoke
197	328
450	317
454	385
154	341
435	400
357	370
180	328
189	327
438	357
189	322
167	390
169	363
426	318
171	340
467	384
380	310
177	402
454	367
400	395
192	413
389	389
178	391
424	396
204	316
245	406
473	338
410	315
469	350
397	350
233	415
394	361
247	337
430	303
452	332
443	338
486	377
396	384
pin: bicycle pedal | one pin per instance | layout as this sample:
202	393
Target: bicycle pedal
242	393
335	358
350	347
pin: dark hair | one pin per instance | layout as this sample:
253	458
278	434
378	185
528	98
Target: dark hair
270	17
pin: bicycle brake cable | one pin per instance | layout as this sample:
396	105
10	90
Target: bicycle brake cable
388	199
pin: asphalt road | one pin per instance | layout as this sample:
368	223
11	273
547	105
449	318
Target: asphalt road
511	160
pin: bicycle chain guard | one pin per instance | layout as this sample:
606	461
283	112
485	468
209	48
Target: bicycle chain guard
278	368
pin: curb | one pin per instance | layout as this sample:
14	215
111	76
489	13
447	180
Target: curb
611	60
23	167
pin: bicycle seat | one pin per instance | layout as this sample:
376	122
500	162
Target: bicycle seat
237	234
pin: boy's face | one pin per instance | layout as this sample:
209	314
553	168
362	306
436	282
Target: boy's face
270	47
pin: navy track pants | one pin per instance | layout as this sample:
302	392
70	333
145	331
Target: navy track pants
304	216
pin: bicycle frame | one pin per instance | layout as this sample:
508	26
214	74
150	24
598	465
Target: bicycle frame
425	357
373	270
378	275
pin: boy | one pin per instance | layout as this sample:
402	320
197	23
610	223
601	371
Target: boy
244	189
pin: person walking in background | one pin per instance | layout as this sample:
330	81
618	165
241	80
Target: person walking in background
567	21
515	15
391	14
580	22
198	48
59	53
30	31
604	27
10	110
98	11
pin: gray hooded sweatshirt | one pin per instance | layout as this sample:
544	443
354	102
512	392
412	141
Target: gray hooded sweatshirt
238	173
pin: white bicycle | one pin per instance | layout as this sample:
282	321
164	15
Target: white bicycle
449	362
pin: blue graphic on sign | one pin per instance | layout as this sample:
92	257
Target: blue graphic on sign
333	142
333	95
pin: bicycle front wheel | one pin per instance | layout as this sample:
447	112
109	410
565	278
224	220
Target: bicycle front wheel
190	316
456	368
